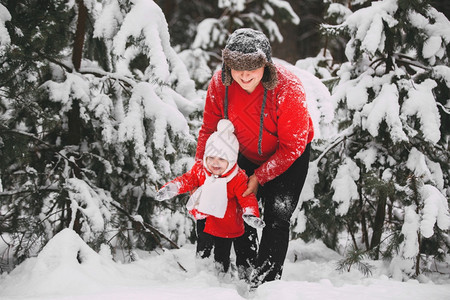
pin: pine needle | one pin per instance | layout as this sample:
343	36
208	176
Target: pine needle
355	257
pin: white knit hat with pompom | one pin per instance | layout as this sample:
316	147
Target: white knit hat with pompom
223	143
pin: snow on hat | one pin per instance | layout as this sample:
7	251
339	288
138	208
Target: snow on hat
248	49
223	143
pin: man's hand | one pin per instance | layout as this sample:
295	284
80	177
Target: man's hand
252	186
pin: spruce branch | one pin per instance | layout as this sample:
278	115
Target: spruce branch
128	82
32	136
398	58
24	191
409	61
97	72
330	83
445	109
355	257
345	134
147	227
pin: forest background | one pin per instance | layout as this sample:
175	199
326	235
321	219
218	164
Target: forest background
101	102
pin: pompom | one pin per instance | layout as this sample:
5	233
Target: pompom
225	125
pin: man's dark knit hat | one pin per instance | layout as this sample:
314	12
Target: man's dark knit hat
248	49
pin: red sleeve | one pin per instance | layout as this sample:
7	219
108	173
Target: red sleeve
249	204
212	113
294	131
197	215
189	180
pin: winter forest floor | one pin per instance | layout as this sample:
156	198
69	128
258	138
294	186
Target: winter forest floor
68	269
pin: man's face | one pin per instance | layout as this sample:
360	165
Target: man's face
248	80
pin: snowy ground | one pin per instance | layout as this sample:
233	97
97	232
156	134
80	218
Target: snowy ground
309	274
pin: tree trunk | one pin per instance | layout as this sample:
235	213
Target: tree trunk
378	225
418	256
79	35
389	48
74	134
365	234
364	227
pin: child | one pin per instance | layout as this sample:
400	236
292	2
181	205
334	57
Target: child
219	184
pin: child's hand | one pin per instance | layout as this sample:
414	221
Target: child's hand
253	221
167	192
198	215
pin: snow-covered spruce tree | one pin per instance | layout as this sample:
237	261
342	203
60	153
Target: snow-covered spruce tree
313	218
24	151
95	109
212	33
385	179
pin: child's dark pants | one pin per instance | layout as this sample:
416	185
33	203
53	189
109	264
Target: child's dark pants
245	248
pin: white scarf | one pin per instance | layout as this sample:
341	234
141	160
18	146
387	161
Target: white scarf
211	197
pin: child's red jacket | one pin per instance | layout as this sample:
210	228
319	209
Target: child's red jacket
232	224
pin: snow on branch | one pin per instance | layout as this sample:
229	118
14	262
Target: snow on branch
286	6
442	72
422	103
384	107
436	27
417	163
74	87
4	17
146	26
145	104
108	21
93	204
348	132
435	211
410	246
366	26
210	32
344	185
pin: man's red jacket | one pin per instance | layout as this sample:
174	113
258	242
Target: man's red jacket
287	125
